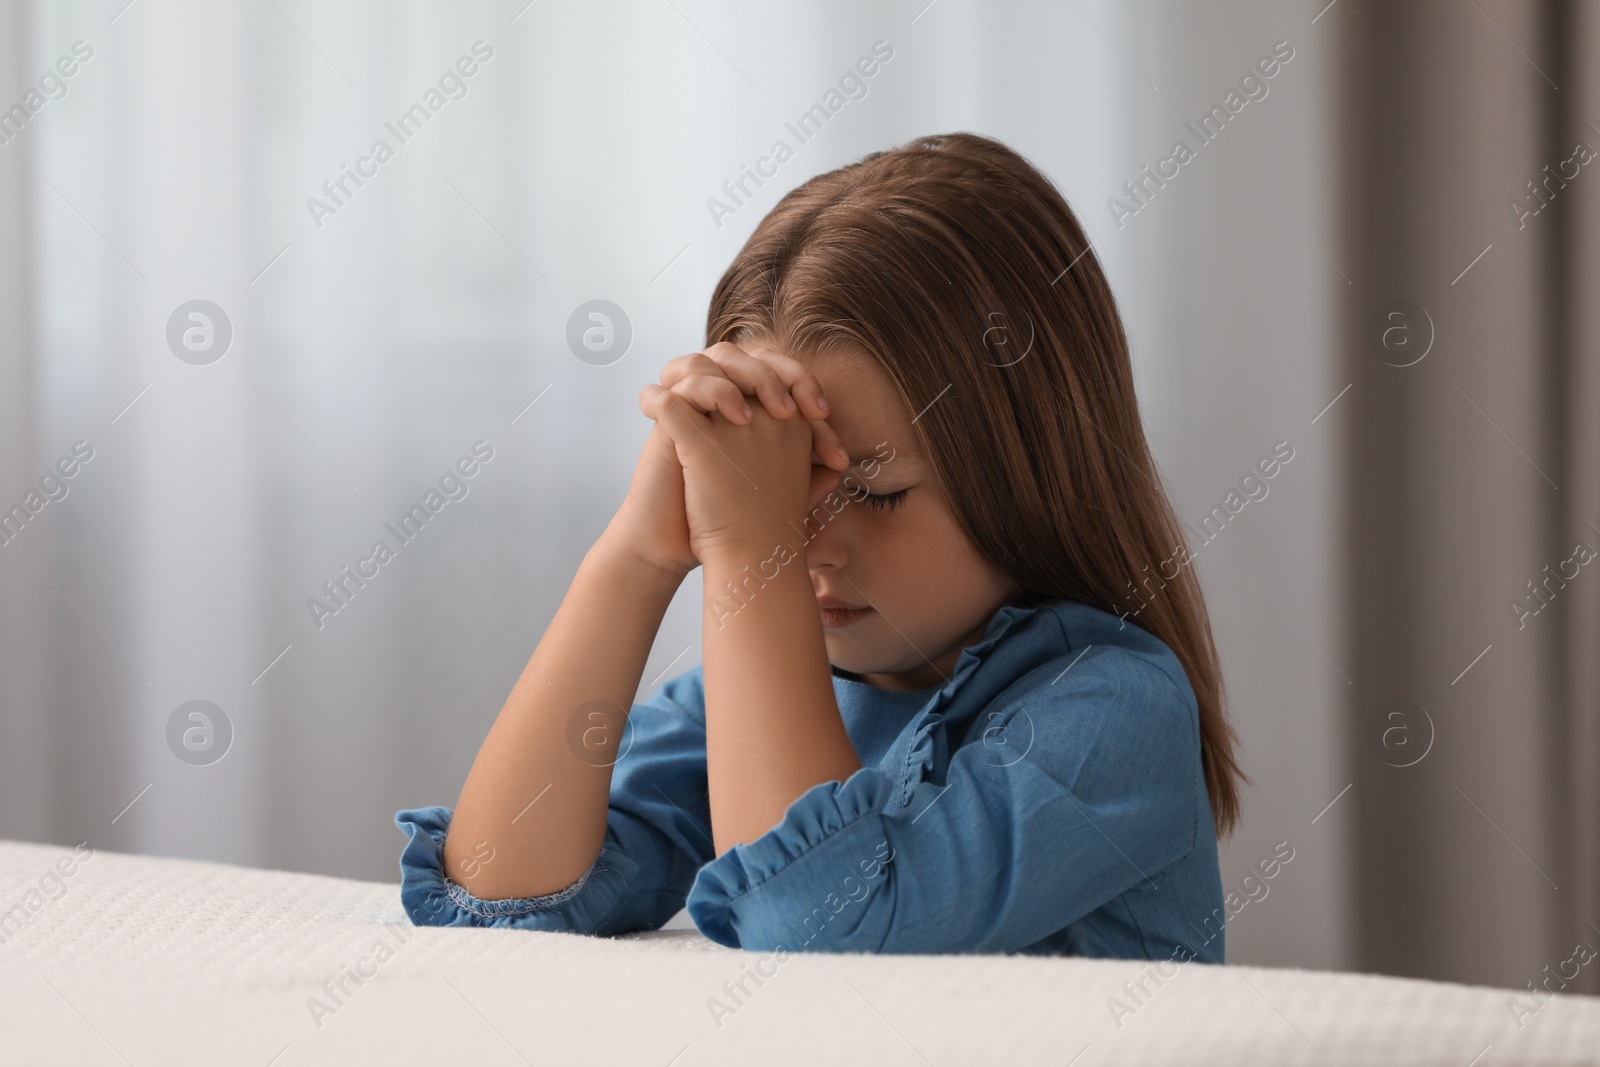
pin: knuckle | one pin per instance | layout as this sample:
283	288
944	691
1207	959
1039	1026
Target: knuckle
697	363
785	365
678	364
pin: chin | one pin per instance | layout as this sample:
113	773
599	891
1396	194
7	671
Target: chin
859	658
848	655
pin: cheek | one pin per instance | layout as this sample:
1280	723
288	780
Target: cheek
918	557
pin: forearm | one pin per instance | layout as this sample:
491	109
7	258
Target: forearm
773	728
537	796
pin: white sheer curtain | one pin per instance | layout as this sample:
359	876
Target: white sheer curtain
374	346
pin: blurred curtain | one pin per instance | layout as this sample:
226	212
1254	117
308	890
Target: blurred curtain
26	740
1472	220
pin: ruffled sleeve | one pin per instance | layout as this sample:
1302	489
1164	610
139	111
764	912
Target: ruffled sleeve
842	820
658	833
431	899
1066	797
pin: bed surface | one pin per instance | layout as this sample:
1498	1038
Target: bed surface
148	961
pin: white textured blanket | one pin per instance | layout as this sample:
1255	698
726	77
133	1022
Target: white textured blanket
144	961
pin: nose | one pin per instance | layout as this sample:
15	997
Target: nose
829	531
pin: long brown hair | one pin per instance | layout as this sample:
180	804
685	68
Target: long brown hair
961	270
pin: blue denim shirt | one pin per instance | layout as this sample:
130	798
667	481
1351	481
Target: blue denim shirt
1048	799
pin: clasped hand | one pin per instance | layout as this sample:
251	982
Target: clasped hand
720	475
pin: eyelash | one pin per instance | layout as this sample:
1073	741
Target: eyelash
884	501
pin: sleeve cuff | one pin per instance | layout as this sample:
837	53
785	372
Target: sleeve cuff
431	899
820	813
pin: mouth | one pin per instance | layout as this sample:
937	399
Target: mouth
836	614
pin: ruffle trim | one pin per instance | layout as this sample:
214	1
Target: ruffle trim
919	756
431	899
821	812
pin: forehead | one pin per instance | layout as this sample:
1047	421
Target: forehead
864	407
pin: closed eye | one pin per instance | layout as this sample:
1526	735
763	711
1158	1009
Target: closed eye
884	501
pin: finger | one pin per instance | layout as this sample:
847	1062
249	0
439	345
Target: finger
650	401
755	377
750	375
676	370
682	422
802	384
653	400
823	481
827	447
710	393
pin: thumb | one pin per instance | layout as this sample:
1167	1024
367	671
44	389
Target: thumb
823	481
682	423
651	398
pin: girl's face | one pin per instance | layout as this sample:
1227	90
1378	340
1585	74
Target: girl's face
922	590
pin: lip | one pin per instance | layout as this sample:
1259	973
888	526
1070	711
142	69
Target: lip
837	614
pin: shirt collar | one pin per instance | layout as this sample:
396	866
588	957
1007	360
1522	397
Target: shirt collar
1004	620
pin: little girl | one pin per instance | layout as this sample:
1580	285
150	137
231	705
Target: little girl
912	469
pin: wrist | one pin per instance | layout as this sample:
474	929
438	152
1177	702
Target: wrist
618	553
767	554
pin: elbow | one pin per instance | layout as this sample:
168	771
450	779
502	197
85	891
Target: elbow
430	905
784	924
